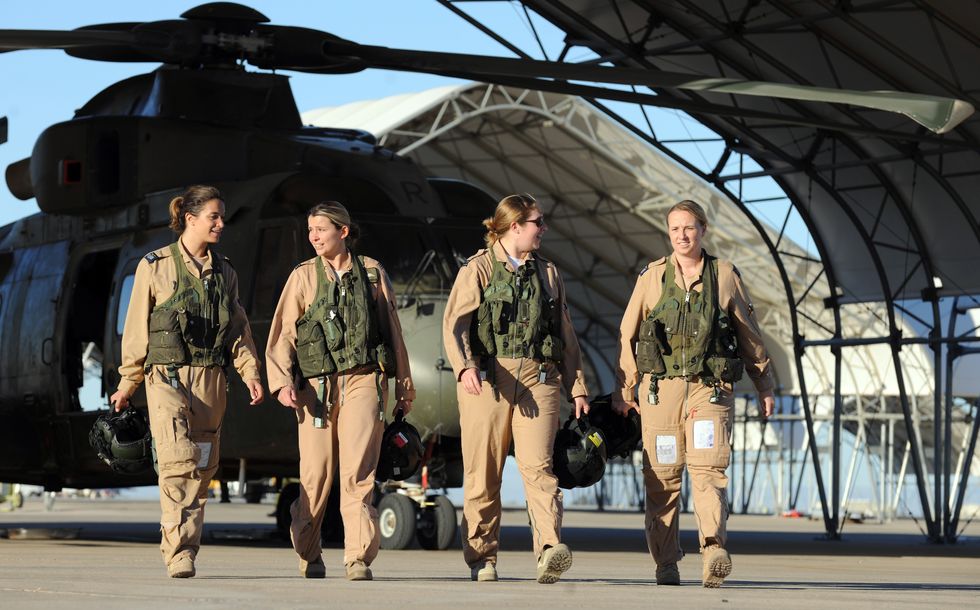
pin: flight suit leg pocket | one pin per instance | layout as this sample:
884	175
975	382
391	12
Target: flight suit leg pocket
207	449
708	440
663	448
175	445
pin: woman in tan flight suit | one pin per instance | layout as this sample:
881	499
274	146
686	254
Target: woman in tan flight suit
334	342
688	332
511	344
183	327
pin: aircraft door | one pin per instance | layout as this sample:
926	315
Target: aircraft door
122	290
31	297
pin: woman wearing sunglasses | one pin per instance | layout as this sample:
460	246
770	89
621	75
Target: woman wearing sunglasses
511	344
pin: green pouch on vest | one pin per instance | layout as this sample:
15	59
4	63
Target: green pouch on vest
671	321
484	328
552	348
311	343
728	370
333	333
165	336
649	355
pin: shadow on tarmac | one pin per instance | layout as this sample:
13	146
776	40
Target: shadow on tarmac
585	539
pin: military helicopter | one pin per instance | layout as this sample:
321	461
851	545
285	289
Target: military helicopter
102	181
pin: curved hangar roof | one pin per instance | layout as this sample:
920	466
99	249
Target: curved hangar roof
605	192
891	206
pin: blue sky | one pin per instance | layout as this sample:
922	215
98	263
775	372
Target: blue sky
40	88
44	87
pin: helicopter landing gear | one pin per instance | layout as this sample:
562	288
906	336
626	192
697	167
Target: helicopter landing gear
406	513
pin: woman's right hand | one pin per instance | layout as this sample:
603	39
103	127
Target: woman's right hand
623	407
119	400
287	396
471	381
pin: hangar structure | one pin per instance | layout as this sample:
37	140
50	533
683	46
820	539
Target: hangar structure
862	259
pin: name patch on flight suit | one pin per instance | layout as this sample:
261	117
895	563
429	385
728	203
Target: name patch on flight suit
704	434
205	455
666	449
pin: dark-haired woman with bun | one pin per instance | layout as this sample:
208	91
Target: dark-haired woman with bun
184	326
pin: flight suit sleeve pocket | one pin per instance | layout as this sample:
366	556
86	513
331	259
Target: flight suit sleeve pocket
708	441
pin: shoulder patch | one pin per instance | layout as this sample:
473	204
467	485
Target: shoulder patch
152	257
373	275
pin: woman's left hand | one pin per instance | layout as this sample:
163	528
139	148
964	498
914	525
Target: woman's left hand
404	405
581	406
255	390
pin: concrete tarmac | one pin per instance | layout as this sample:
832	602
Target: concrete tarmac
105	555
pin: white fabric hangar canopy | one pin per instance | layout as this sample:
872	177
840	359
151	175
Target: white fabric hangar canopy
605	193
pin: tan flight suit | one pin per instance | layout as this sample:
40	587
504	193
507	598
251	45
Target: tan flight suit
685	427
185	421
526	412
352	436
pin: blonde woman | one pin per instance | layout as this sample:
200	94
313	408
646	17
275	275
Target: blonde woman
512	346
183	326
334	342
688	333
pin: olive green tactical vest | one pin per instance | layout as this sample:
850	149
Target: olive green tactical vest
517	317
191	327
340	329
687	333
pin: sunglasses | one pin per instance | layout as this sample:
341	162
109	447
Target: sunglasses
538	221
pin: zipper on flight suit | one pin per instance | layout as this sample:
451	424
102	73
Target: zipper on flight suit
683	325
515	311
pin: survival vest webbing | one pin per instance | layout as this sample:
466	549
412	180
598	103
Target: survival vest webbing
191	327
340	329
687	333
517	318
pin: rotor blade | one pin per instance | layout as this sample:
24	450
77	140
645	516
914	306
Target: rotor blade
590	92
19	40
936	113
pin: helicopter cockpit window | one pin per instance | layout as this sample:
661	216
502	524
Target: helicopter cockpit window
406	250
125	293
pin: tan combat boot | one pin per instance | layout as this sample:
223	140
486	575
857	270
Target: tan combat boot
358	570
312	569
717	566
668	574
484	572
553	561
182	567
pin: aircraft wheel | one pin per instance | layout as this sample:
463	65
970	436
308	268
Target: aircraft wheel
397	521
437	525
